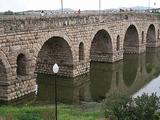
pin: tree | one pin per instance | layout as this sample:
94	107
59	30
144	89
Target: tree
8	13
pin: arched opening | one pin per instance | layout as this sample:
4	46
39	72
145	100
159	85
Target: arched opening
142	37
131	39
55	50
151	35
21	65
101	46
118	43
81	51
3	74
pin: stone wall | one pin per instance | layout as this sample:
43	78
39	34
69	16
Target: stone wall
11	90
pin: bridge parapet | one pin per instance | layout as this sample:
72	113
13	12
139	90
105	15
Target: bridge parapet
11	24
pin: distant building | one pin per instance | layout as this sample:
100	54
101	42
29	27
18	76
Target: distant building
155	10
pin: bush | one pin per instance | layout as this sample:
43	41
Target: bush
141	108
8	13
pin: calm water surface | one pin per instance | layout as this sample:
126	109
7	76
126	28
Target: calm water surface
132	76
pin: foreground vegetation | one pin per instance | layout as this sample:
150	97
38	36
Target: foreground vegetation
117	107
65	112
145	107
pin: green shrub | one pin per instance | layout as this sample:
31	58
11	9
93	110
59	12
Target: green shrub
146	106
141	108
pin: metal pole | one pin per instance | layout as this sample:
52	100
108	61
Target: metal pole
148	4
99	6
55	84
62	6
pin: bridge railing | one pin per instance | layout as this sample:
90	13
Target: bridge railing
71	14
16	23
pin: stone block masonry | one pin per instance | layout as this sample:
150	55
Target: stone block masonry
30	45
15	89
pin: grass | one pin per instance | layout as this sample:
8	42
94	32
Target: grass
65	112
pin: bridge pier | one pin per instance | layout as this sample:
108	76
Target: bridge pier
107	57
64	70
14	89
153	44
135	49
118	55
81	68
17	77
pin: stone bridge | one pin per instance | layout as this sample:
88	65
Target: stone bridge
31	45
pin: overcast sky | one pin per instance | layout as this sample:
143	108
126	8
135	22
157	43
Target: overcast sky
21	5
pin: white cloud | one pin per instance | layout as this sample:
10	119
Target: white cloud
20	5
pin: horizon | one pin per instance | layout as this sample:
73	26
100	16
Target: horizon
28	5
82	10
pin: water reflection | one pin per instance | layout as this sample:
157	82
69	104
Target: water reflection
150	57
152	75
99	84
70	90
130	68
102	78
128	76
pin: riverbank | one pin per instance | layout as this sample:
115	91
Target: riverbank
65	112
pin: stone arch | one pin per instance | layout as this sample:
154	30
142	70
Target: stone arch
23	56
131	39
48	35
151	35
101	46
21	65
3	73
142	37
103	27
81	51
55	50
118	43
5	68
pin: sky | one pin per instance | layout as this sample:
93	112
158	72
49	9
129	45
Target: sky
22	5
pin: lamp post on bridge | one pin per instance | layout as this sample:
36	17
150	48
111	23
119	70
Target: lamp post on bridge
61	6
99	6
55	71
148	4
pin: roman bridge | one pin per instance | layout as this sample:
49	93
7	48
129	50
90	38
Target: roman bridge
31	45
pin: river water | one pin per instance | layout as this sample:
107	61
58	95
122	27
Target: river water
132	76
